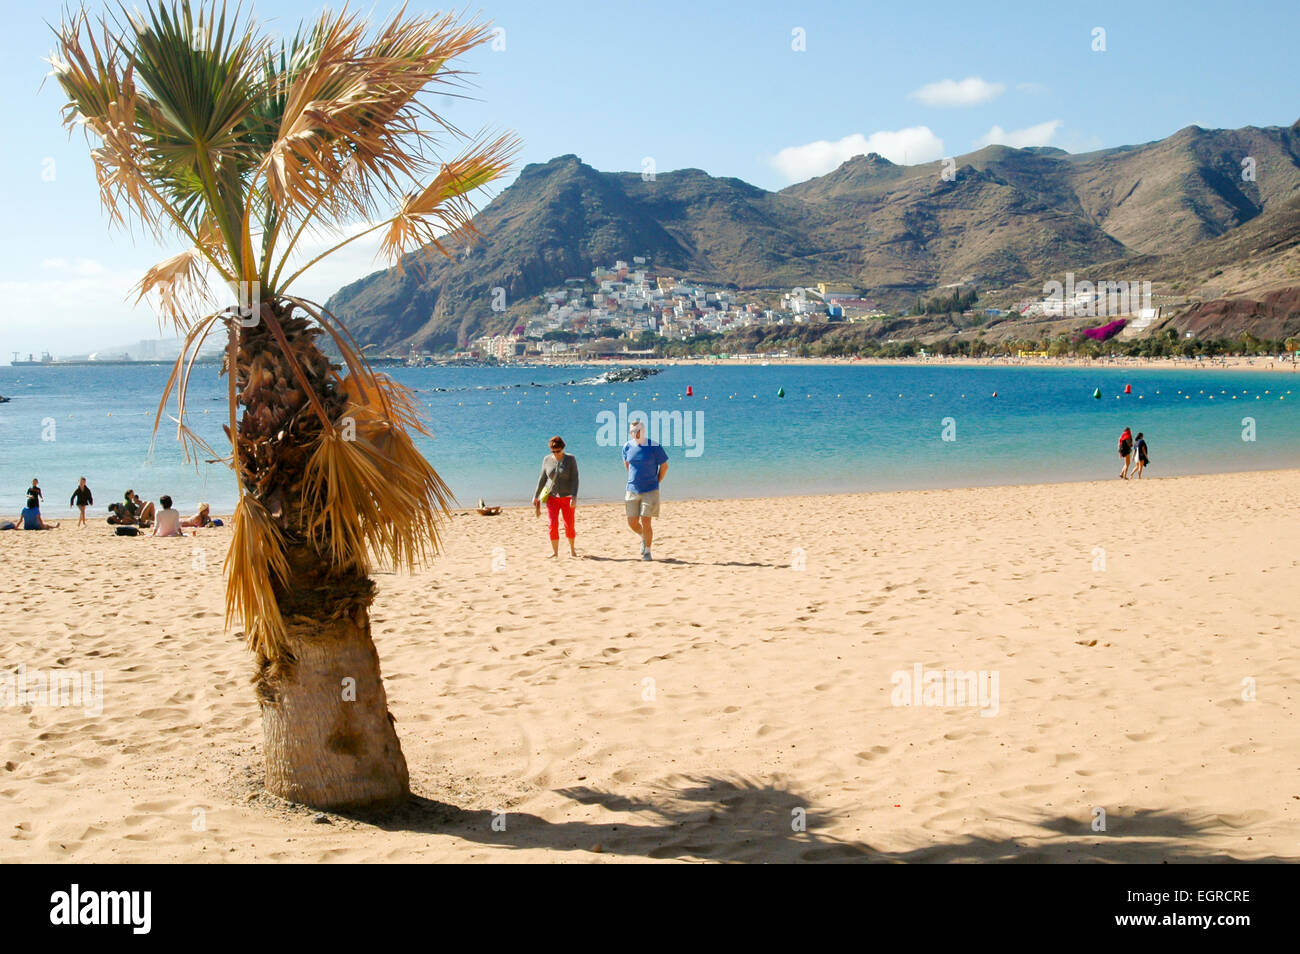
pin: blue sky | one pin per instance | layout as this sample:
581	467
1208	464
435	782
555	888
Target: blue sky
717	86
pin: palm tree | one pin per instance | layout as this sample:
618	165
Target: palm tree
206	129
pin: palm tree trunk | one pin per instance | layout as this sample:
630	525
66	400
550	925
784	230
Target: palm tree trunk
329	736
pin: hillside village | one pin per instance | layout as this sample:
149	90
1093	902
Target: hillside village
613	309
626	309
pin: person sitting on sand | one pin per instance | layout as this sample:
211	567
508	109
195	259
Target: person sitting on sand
30	518
200	519
558	484
119	515
1126	452
144	510
1140	449
169	520
81	498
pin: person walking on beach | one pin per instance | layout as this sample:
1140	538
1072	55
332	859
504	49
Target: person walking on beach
557	487
646	463
1126	452
81	498
35	491
1140	452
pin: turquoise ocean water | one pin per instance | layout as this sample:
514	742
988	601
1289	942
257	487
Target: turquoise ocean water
838	428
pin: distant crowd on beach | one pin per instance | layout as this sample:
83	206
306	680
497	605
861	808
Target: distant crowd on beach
129	516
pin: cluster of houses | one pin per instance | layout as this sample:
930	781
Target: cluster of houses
617	305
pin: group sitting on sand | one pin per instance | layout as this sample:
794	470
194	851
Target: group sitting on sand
1134	454
131	512
167	522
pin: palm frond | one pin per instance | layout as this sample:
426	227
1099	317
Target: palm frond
442	207
255	568
368	491
179	380
352	128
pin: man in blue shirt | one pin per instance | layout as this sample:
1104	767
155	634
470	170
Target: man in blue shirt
646	463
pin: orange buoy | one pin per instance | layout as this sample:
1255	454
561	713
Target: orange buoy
1128	389
690	391
995	393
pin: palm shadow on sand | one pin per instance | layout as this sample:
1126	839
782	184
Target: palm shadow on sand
675	562
734	819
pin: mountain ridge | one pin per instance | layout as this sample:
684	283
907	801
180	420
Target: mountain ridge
1007	216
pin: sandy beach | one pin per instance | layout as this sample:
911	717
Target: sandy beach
1137	642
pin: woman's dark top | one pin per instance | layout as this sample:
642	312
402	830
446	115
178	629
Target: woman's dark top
566	476
35	492
81	497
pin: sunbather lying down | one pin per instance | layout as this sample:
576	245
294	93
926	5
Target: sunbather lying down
121	516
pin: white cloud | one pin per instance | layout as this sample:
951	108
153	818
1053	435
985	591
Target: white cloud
1036	89
1040	135
968	92
912	145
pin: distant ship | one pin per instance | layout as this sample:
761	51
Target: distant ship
46	358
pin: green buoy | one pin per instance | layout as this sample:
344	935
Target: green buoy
780	392
1097	393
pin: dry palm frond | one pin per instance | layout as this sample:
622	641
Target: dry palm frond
98	78
385	398
255	568
351	121
179	380
442	208
367	489
182	287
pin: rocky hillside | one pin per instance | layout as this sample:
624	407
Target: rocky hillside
1007	217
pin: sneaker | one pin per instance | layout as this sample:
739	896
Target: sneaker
645	554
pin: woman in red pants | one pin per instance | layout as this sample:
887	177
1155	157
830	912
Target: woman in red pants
557	487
